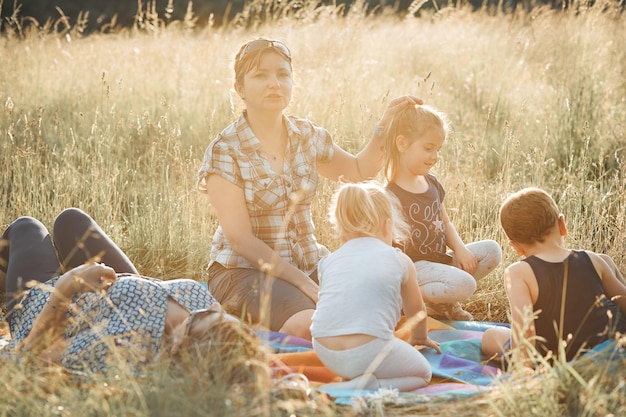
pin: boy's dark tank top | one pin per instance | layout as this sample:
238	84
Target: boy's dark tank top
586	305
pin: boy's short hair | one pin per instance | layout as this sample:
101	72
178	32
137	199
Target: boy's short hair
528	215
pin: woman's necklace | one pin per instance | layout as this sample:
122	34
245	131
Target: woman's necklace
275	161
271	156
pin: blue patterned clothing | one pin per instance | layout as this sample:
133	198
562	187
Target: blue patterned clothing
131	312
284	223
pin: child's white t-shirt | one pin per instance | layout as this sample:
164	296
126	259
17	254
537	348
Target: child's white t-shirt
360	290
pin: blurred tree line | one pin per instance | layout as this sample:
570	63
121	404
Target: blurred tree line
98	14
126	12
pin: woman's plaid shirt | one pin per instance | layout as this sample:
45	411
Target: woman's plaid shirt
279	204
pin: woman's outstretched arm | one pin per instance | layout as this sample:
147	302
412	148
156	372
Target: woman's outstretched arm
368	162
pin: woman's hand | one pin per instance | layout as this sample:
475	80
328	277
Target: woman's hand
425	342
395	106
91	277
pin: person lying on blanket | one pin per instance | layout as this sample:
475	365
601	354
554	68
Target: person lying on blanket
363	286
578	297
76	318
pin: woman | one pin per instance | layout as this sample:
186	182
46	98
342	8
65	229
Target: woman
76	318
260	174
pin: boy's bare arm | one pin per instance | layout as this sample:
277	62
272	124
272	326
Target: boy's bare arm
519	293
614	286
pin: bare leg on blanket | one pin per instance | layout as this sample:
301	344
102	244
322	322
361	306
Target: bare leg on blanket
494	340
370	382
363	382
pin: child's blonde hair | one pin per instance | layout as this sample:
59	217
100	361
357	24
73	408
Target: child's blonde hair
362	208
528	215
411	122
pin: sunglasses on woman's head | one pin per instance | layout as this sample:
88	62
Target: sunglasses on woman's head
263	44
192	317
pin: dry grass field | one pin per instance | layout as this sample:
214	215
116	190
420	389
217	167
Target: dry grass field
116	124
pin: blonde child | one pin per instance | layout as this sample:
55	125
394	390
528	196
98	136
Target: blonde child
363	287
446	277
578	296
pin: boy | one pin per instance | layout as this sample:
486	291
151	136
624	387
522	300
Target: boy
578	297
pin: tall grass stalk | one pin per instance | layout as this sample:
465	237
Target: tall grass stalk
117	124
